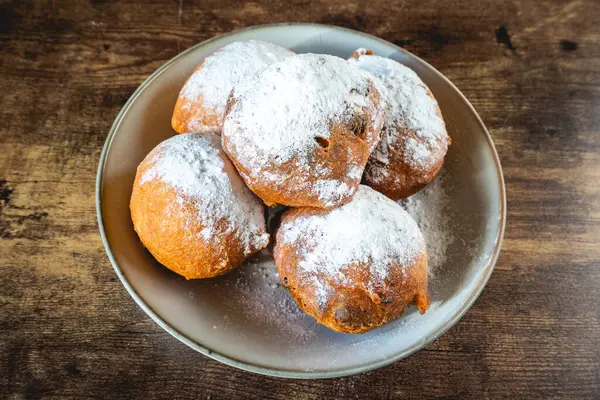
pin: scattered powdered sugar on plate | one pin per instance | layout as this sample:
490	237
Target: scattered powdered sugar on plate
225	68
411	108
430	209
196	166
369	230
280	118
255	293
268	302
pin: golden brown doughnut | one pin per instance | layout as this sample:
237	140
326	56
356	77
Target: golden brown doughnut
356	267
191	209
202	100
300	132
414	140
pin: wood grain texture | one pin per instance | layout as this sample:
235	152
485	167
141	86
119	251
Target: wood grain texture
70	330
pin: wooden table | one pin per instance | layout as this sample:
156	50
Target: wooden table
70	330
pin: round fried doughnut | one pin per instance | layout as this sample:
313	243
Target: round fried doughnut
356	267
414	140
300	132
202	100
191	209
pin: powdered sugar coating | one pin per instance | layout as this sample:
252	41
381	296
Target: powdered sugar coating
220	72
413	125
201	174
370	229
275	119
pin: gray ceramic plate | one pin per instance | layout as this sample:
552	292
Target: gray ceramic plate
245	319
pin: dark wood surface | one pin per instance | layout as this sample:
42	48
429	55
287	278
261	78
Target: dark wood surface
70	330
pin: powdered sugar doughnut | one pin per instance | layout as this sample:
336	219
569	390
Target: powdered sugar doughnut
355	267
300	132
201	103
414	140
191	209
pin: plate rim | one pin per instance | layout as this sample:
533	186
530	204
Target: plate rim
283	373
